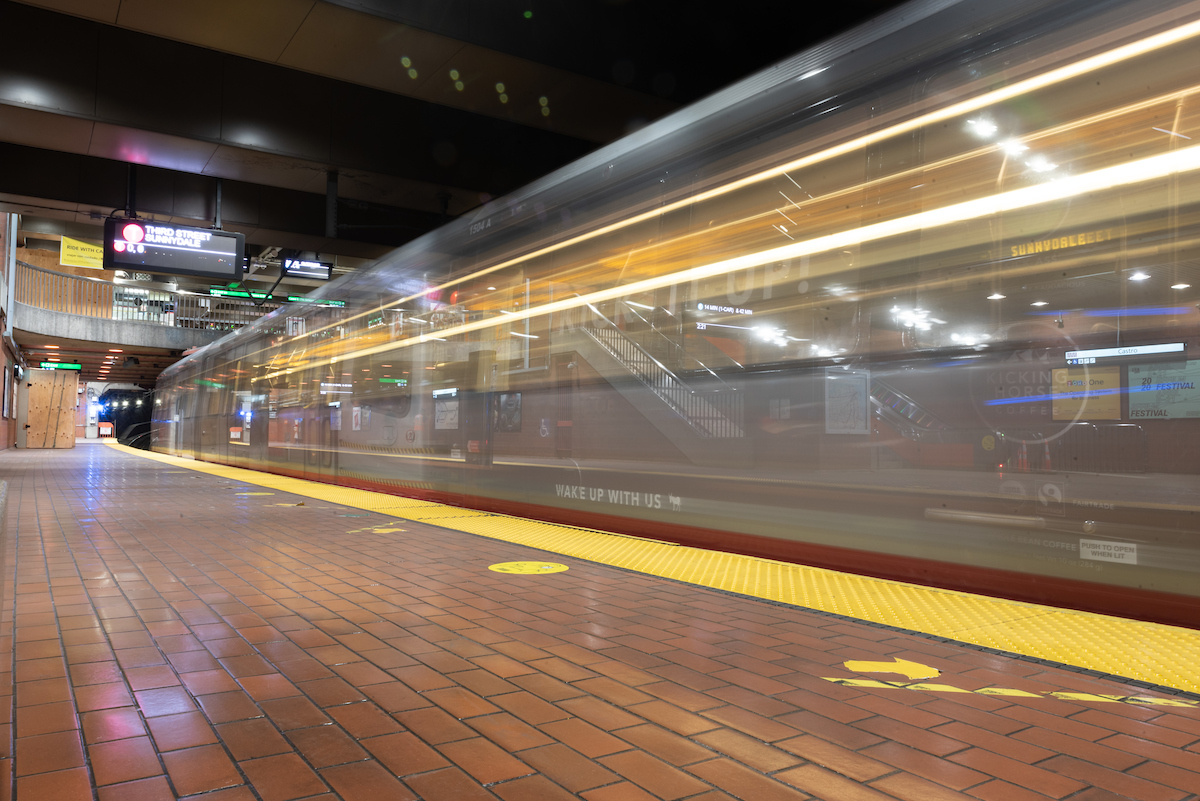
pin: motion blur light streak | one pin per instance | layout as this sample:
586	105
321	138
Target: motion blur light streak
1117	55
1130	173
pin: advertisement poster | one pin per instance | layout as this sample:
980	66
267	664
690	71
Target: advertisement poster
1164	391
847	400
509	418
1093	393
77	253
445	409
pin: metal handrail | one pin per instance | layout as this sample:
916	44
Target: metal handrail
905	415
84	296
701	412
678	348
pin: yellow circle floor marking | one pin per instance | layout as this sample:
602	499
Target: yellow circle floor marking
528	567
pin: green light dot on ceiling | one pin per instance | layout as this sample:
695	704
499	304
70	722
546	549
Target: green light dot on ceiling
412	73
528	15
500	88
454	75
503	98
458	85
545	112
545	101
406	61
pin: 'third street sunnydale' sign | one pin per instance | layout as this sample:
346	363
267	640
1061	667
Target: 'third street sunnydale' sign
153	247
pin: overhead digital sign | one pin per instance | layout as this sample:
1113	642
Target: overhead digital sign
307	268
149	246
61	366
1077	357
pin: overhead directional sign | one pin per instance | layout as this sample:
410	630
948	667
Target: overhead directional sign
306	268
60	366
1090	356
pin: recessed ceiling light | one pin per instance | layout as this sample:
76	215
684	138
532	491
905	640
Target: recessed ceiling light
1139	276
982	127
1180	286
55	347
996	296
115	350
1038	303
491	289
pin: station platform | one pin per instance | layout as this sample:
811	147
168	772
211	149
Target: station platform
176	629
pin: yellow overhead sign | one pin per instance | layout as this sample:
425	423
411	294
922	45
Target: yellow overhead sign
1089	393
77	253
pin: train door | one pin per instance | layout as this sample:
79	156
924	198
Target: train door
196	421
331	432
181	401
310	434
564	384
258	423
321	441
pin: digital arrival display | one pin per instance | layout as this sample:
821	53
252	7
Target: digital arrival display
307	268
1080	357
148	246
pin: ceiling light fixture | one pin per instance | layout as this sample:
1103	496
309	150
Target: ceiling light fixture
996	296
1139	276
1180	286
1038	303
984	128
1040	164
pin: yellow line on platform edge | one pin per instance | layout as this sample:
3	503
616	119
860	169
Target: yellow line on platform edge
1151	652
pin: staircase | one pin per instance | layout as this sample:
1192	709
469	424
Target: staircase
715	415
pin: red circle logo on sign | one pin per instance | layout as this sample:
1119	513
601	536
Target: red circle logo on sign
133	233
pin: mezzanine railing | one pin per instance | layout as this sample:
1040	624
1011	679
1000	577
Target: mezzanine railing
91	297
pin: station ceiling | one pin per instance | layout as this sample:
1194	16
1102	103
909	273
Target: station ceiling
425	109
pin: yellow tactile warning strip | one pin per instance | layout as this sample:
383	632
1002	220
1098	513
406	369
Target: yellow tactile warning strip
1150	652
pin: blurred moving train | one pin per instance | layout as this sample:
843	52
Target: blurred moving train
919	303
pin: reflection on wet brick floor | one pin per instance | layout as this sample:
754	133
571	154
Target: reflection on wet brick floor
169	638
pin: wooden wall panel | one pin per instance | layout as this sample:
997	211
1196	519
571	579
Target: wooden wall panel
50	409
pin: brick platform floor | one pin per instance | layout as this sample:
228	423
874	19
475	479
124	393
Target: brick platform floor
171	637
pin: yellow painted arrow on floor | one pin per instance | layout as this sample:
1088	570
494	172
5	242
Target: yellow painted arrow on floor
912	670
